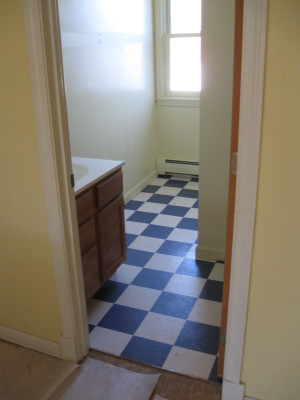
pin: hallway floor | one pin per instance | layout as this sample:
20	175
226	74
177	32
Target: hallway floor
162	307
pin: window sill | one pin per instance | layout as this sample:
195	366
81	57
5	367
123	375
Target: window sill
178	102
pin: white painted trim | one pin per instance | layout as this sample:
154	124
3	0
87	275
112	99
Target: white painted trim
139	187
252	83
55	161
232	391
30	341
209	253
250	398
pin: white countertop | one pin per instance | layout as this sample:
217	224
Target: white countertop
89	170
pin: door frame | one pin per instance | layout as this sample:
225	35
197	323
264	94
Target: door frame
53	136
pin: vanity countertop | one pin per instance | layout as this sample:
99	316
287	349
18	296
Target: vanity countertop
89	170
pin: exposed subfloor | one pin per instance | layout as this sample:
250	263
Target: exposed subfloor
162	307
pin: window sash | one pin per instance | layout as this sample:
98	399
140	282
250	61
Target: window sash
163	92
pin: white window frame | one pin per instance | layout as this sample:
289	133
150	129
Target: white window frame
164	96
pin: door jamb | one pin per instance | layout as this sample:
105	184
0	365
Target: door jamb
251	104
56	167
55	160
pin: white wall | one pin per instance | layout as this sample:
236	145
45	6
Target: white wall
109	76
178	132
215	124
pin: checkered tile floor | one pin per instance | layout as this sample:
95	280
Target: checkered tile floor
162	307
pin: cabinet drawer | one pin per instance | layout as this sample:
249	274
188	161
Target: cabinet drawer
87	235
109	189
90	269
85	206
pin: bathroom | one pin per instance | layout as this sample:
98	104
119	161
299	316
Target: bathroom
114	111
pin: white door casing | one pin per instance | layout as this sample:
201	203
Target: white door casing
47	82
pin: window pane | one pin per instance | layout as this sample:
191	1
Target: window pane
185	66
185	16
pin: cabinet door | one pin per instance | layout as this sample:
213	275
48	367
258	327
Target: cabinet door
90	269
111	229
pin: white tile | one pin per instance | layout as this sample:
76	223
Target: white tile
146	243
166	220
136	228
183	235
192	213
217	273
96	309
109	341
152	207
186	285
189	362
192	252
143	196
206	312
164	262
161	328
138	297
192	186
159	181
125	273
128	213
171	191
183	202
179	177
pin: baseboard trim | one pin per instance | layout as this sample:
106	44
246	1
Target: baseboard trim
139	187
250	398
30	341
209	253
232	391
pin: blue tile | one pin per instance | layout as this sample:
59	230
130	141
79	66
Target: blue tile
173	248
123	319
213	377
157	231
152	279
195	205
151	189
220	262
199	337
140	216
166	176
91	327
175	210
160	198
175	305
110	291
194	180
212	290
133	205
175	183
188	223
130	238
138	258
146	351
192	267
193	194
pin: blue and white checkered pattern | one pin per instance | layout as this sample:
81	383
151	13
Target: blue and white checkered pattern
162	307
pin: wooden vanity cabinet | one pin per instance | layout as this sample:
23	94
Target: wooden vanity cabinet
100	213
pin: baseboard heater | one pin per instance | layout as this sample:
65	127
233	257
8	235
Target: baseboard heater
171	165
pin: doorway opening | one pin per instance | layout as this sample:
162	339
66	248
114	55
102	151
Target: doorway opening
250	120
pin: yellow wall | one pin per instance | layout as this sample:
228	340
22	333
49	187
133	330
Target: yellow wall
27	291
271	357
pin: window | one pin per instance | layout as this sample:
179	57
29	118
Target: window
178	51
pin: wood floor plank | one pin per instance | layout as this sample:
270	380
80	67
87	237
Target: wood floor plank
28	375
